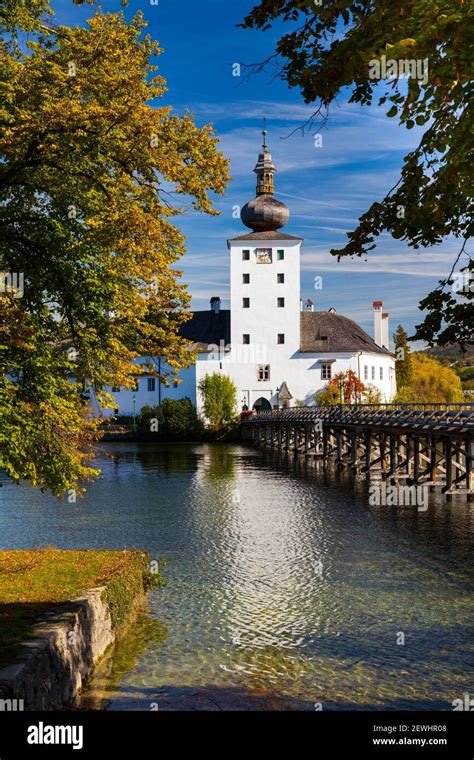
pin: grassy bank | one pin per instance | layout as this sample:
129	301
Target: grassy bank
34	581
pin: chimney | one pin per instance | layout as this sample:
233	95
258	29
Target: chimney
309	305
301	304
378	306
385	333
215	304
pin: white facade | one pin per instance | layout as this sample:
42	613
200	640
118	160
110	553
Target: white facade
275	353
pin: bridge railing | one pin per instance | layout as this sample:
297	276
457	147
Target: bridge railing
445	415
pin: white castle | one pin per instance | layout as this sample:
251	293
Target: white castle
277	349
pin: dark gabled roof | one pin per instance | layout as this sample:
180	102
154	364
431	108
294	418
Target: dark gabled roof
206	328
264	236
332	333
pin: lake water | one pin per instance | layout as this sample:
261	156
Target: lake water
286	590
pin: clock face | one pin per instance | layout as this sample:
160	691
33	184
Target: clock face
264	255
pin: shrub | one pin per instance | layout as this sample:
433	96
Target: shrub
175	419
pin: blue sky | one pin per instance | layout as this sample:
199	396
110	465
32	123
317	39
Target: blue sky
326	188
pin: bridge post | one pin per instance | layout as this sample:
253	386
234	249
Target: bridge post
469	447
353	449
449	465
433	458
368	450
393	455
416	458
408	453
383	457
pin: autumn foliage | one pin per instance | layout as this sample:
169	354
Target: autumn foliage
344	388
93	173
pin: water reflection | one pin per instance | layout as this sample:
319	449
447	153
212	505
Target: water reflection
284	587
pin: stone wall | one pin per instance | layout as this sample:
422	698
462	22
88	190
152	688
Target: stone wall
51	667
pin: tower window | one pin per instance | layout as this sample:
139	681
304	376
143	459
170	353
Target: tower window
246	303
280	302
245	255
326	371
246	278
280	278
246	339
280	338
280	255
151	384
263	372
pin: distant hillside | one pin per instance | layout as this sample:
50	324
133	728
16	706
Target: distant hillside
452	351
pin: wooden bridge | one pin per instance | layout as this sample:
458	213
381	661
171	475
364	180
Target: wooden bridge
430	444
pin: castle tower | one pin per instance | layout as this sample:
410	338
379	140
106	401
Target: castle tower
265	288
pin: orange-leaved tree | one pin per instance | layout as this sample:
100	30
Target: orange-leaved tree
345	387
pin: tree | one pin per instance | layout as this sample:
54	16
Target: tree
345	387
403	364
413	59
219	398
90	178
431	382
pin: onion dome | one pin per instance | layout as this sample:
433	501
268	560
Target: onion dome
264	213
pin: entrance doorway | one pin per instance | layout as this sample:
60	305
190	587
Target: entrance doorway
262	405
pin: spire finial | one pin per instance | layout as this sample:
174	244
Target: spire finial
264	132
